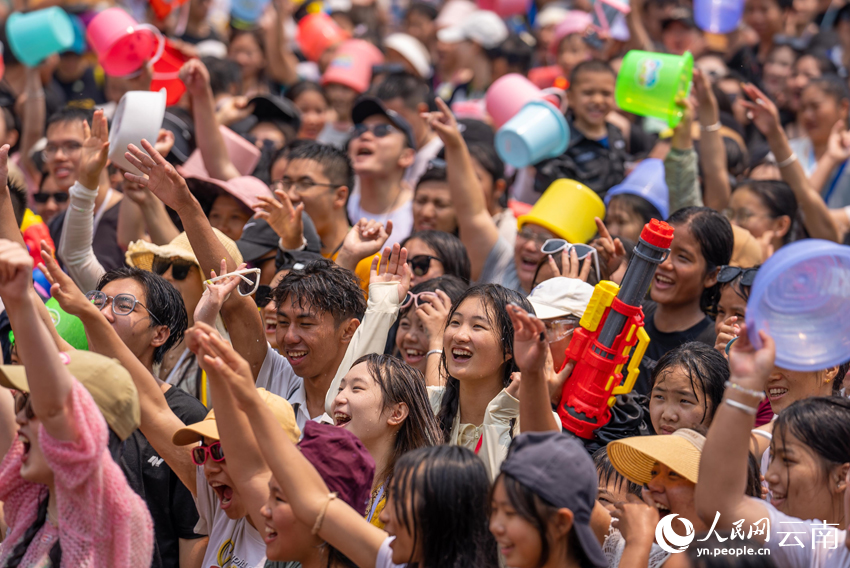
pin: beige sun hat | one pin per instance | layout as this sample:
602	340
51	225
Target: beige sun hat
141	254
207	428
635	457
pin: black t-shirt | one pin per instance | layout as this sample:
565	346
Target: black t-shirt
105	243
83	92
661	342
171	504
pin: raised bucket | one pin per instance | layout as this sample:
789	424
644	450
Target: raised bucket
649	84
123	45
718	16
538	131
36	35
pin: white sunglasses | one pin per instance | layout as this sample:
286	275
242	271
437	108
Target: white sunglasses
250	280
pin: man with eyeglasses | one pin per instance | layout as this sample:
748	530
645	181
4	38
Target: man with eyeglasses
381	149
75	167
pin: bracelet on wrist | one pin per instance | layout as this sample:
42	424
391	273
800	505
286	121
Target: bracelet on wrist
751	410
433	351
711	127
750	392
787	161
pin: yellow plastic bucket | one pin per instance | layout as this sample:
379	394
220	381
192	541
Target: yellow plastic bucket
567	208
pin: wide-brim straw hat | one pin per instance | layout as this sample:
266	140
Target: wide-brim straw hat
636	457
141	254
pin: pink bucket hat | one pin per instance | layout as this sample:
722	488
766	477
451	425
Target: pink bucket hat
242	153
352	65
576	22
244	188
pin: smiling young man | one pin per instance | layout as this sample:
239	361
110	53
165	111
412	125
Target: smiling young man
381	148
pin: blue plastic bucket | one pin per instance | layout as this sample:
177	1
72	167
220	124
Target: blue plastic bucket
37	35
537	132
248	11
801	298
648	181
718	16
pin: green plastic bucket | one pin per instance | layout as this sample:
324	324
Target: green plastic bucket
649	84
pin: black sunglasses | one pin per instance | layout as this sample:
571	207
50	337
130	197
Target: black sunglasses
421	263
730	273
263	295
378	130
179	268
42	198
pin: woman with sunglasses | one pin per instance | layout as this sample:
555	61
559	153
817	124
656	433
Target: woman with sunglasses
435	253
50	199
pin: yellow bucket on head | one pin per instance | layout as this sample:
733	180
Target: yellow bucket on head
567	208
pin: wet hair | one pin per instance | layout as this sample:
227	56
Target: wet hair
449	249
742	291
336	165
20	550
590	66
400	382
162	300
69	114
832	86
433	173
495	299
607	474
735	555
224	74
539	513
18	196
486	155
822	424
412	90
323	286
430	486
707	371
778	198
638	206
427	9
453	286
753	476
714	234
302	87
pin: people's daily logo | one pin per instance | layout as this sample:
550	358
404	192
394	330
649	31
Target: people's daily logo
667	537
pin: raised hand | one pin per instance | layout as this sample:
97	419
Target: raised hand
444	124
611	251
433	315
159	176
4	164
70	298
708	110
764	113
530	345
363	240
215	295
95	150
196	77
751	366
729	330
281	216
636	520
15	271
164	141
233	110
393	268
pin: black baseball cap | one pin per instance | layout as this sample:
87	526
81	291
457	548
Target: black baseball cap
269	108
557	468
259	240
370	106
682	15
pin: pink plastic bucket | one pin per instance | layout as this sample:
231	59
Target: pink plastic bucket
318	32
509	93
352	65
505	8
123	45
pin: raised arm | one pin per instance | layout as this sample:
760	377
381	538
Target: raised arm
240	313
49	380
723	466
342	526
680	164
35	115
816	216
477	229
712	152
282	62
637	30
158	421
8	425
210	141
245	462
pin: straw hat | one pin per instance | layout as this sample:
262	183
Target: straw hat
747	251
207	428
141	253
635	457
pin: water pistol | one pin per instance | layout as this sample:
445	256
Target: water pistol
612	324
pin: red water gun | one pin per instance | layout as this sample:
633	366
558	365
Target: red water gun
612	324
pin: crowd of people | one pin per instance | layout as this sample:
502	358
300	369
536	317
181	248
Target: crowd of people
319	321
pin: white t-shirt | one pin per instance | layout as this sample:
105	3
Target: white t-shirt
385	556
796	550
232	542
401	216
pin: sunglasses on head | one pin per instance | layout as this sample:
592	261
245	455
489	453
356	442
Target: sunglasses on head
58	197
730	273
554	246
420	263
377	130
213	452
179	268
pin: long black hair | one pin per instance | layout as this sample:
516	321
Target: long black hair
441	496
450	251
716	240
495	299
778	198
706	369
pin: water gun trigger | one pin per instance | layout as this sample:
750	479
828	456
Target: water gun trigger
634	363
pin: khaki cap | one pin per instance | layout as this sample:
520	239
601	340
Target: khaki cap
107	381
207	428
635	457
141	253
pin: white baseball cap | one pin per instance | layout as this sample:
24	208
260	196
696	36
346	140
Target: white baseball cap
482	27
412	50
560	297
